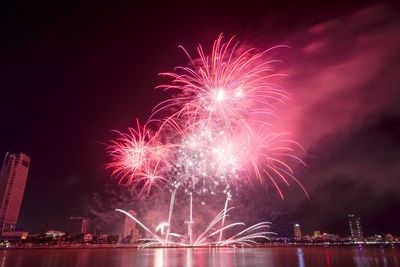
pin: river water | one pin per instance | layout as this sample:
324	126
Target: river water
227	257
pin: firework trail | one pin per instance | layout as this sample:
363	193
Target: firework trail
216	132
244	237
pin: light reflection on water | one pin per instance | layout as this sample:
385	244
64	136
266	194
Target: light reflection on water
227	257
300	256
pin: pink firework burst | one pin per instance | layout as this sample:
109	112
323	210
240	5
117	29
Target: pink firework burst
228	86
137	157
217	131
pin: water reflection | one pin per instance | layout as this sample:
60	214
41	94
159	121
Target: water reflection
358	257
159	257
82	259
328	260
300	256
227	257
189	257
3	259
384	257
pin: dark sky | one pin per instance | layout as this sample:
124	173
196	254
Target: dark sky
71	73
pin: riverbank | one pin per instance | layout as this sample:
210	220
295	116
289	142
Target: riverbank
135	246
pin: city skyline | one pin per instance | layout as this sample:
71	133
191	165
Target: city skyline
75	92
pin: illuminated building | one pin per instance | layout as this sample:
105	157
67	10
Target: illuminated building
130	233
87	237
54	234
13	176
317	233
297	231
355	227
77	225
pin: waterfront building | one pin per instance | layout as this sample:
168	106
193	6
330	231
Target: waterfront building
355	227
13	175
307	238
102	238
329	237
77	225
24	235
389	237
317	234
54	234
297	231
130	233
87	237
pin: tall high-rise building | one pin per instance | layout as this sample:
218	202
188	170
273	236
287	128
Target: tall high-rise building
13	174
77	225
355	227
297	231
130	232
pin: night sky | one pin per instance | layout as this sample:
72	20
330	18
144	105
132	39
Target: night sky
72	73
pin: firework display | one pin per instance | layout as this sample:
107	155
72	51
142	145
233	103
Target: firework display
216	132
